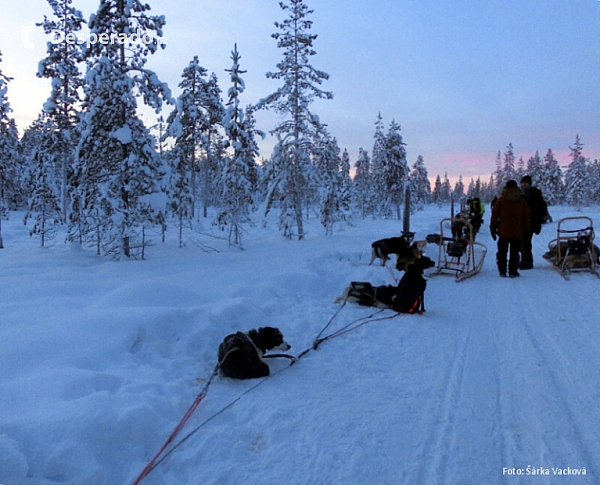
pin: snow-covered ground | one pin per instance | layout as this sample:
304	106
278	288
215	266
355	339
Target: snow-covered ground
497	383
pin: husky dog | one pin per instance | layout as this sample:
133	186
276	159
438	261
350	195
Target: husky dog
392	245
241	354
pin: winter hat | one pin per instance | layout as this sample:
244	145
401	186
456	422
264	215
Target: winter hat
526	179
510	183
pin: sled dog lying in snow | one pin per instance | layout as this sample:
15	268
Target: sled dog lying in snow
407	297
241	354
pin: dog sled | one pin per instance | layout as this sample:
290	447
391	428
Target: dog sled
458	254
574	250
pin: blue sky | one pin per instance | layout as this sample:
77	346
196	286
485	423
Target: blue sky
463	78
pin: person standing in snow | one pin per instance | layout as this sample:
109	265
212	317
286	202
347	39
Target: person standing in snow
509	222
538	207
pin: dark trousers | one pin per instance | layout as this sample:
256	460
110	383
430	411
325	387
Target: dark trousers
526	256
504	246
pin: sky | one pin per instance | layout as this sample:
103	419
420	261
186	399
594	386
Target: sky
462	78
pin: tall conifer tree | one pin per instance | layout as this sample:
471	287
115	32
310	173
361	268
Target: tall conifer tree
301	85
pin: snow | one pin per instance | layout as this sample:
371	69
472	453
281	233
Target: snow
123	134
100	361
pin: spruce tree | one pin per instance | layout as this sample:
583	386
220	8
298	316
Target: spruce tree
459	188
345	197
239	178
551	179
420	185
188	123
396	173
117	169
577	182
436	194
61	66
9	142
378	168
291	169
534	168
44	189
361	184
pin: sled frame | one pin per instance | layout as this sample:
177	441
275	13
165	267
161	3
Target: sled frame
564	235
471	261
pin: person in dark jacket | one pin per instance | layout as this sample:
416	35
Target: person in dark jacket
510	220
538	208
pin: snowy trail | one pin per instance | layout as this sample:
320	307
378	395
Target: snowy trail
497	374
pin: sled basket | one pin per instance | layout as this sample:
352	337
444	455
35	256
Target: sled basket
462	256
573	250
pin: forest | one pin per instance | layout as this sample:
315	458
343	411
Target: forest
90	166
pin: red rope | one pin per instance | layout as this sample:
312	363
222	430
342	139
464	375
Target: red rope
150	466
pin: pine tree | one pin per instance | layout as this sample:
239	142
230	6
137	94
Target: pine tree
436	194
378	168
396	173
459	189
534	168
44	193
577	182
328	163
9	141
239	178
117	168
594	170
213	144
187	123
61	67
498	173
361	184
508	170
420	185
291	169
446	189
550	179
345	197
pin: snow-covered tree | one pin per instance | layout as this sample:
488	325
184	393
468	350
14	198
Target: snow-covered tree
378	167
213	144
534	168
362	186
577	183
117	168
396	173
446	189
550	180
436	194
239	178
594	170
44	196
61	66
345	197
420	185
459	189
9	141
508	170
190	124
291	168
328	163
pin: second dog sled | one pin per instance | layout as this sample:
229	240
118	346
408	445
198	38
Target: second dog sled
574	250
458	254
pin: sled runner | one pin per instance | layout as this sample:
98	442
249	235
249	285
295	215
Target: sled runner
458	254
574	250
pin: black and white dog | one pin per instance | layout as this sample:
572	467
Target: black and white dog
241	354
